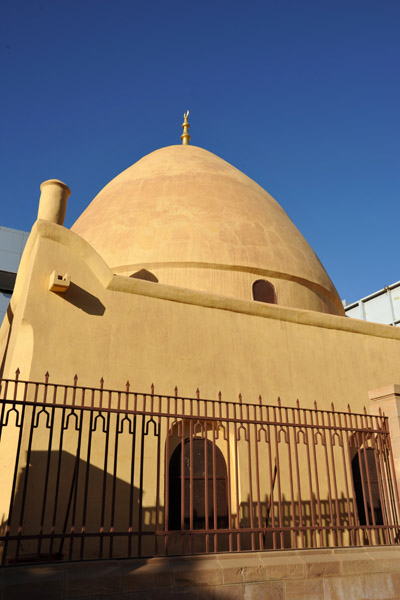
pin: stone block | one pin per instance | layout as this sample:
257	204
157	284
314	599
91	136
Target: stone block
226	592
147	577
396	583
88	586
355	564
378	586
386	560
197	572
269	590
344	588
189	594
39	590
305	589
282	567
324	566
232	571
252	568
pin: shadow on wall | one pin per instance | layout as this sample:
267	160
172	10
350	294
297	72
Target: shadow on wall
73	510
10	317
58	497
84	300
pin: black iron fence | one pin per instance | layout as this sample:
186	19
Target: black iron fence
98	473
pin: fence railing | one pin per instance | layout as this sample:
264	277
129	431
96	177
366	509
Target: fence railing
98	473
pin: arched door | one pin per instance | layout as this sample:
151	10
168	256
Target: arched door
366	487
206	486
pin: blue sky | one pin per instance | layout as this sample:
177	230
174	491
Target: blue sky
303	97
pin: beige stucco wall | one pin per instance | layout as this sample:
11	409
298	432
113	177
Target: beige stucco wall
120	328
237	282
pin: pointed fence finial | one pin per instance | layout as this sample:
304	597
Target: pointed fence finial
185	137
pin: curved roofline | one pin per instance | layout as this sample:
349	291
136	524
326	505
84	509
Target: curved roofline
185	205
223	267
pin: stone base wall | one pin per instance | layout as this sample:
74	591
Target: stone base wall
337	574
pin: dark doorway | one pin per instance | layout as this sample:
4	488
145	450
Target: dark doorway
205	485
365	459
264	291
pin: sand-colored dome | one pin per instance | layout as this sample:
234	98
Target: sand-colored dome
193	219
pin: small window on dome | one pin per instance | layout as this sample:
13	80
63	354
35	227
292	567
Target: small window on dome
264	291
145	274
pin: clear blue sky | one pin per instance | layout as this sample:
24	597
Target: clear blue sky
303	96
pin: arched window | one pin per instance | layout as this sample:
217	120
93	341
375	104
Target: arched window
264	291
205	485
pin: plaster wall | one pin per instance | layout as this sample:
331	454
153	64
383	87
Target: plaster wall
237	282
121	328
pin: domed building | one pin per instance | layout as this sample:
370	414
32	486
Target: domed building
185	272
181	369
194	221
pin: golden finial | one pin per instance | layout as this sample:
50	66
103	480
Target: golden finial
185	137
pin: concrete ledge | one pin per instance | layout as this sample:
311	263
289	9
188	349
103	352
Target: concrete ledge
332	574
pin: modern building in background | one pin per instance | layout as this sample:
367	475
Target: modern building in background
12	244
382	306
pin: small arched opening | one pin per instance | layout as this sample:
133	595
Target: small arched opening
264	291
202	488
145	275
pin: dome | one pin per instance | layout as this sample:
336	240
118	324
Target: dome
189	218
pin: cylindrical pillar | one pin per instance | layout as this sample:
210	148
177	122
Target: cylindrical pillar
53	201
